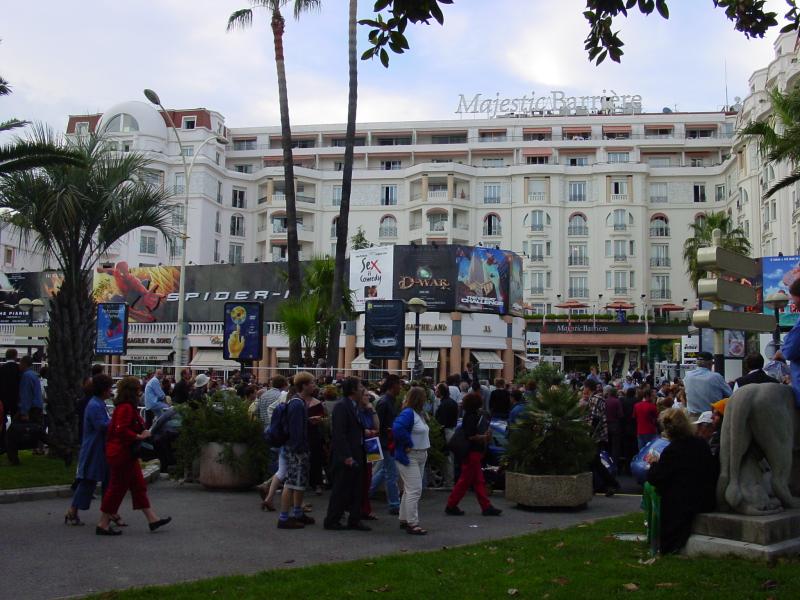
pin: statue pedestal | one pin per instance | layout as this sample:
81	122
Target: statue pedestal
754	538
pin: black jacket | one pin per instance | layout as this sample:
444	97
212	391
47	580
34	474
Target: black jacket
347	434
9	386
386	414
686	477
500	402
180	393
755	377
447	413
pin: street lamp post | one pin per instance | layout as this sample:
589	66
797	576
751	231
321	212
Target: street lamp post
777	301
599	304
180	334
29	306
417	306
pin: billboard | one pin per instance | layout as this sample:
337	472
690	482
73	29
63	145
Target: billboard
371	274
152	292
426	272
533	347
778	273
483	279
515	292
28	284
111	333
384	329
242	331
690	346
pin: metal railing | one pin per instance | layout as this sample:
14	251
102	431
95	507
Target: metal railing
577	230
537	227
660	261
662	294
620	291
620	258
537	290
620	227
576	261
492	231
536	257
387	232
659	232
578	292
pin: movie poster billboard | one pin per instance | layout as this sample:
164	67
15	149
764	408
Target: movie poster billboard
371	274
242	330
426	272
778	273
152	292
32	285
516	296
483	279
111	334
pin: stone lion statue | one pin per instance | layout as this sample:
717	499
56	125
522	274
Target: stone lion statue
759	443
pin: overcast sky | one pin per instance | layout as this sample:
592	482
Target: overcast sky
82	57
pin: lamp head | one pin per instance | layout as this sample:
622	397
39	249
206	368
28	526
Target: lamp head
152	97
777	300
417	305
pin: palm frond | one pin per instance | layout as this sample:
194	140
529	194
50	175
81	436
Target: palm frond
12	124
240	19
5	89
783	183
301	6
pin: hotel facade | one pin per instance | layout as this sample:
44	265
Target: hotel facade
597	201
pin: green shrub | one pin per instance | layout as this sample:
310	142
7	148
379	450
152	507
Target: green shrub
222	418
551	437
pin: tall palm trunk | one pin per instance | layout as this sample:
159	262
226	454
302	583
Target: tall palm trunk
70	347
339	274
278	25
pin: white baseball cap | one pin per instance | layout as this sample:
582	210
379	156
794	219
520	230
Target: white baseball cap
704	418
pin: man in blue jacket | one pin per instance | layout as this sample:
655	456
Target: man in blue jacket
296	451
26	425
791	344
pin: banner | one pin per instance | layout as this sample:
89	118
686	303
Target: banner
778	273
242	331
426	272
483	279
384	329
371	276
516	296
533	347
690	346
152	292
32	285
111	333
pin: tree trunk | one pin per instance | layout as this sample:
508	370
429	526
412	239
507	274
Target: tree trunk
278	25
70	349
339	275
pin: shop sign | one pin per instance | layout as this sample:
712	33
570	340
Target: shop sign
151	341
555	100
580	328
690	346
428	327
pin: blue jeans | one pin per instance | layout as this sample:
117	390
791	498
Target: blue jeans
645	439
386	470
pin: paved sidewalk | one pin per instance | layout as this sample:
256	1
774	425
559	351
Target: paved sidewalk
218	533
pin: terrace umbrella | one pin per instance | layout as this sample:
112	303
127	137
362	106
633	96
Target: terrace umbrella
668	308
619	305
569	305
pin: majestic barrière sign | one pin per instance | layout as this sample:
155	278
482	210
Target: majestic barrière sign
554	100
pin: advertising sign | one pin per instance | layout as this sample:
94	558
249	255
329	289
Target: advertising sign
483	278
533	347
426	272
28	284
778	274
242	331
111	334
371	272
152	292
384	329
690	346
515	292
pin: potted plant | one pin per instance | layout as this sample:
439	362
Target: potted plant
550	448
226	441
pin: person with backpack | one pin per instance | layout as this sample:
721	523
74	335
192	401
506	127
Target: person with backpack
475	428
290	422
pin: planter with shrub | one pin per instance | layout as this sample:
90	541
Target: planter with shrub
550	448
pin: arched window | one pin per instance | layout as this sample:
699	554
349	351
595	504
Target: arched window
745	197
388	227
237	225
491	225
122	123
577	225
659	226
700	219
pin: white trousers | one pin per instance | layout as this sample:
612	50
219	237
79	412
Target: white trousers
411	475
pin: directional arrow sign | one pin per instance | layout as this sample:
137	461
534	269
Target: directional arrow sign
726	319
718	259
726	292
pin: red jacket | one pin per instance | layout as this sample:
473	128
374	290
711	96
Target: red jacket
646	415
125	425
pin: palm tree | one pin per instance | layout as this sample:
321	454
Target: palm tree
30	153
242	19
733	238
347	179
299	318
74	214
779	136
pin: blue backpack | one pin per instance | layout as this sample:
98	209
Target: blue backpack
277	433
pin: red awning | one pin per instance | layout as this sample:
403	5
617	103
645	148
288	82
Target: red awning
537	130
616	128
537	151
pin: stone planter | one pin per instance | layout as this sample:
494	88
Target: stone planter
551	491
220	476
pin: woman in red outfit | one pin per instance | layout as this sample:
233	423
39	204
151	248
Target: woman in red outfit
125	429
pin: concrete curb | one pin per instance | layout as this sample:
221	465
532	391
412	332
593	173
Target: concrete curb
151	474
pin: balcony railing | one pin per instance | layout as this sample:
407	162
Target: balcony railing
620	227
620	258
536	257
578	292
491	200
536	196
280	228
537	227
578	261
658	199
620	291
577	230
537	290
619	197
386	232
660	261
662	294
492	231
577	198
438	195
659	232
415	225
261	227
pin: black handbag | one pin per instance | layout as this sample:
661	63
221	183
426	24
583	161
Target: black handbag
458	444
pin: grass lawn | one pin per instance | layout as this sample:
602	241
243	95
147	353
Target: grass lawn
35	471
581	562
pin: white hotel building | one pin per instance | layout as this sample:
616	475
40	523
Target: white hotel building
598	204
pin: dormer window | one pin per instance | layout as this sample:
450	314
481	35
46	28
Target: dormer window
189	122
